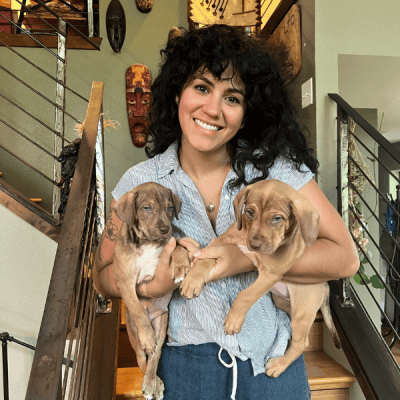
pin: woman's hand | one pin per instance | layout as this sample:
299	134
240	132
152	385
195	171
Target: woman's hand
229	261
162	282
191	245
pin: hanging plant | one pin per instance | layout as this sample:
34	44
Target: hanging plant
357	223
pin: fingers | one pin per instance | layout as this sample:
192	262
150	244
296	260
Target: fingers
168	249
190	245
210	252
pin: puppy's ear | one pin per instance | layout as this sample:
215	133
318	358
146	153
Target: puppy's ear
177	203
238	203
307	217
125	208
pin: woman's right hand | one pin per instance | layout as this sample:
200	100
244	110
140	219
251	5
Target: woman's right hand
229	261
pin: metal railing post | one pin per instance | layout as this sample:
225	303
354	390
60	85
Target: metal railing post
343	189
59	117
4	337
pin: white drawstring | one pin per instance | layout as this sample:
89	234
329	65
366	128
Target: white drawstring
233	365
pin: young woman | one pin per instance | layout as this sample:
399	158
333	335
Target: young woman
220	118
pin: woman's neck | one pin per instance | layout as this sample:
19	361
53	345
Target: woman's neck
198	164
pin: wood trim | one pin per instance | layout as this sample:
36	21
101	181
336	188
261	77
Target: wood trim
373	364
103	360
73	42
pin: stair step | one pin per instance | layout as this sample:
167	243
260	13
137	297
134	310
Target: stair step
129	383
327	379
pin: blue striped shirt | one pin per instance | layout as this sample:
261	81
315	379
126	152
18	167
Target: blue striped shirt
266	330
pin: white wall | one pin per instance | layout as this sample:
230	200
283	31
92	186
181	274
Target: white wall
26	262
358	27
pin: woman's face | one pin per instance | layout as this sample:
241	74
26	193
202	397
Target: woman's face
211	110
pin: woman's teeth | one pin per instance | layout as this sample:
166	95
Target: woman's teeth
206	126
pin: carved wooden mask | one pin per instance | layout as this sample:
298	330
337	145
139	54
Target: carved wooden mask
115	25
138	96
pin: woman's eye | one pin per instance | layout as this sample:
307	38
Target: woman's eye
201	88
233	100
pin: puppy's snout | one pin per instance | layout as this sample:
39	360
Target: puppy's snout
255	242
163	228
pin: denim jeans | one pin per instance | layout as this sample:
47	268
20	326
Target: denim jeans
194	372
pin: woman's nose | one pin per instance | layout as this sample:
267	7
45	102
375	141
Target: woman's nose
212	107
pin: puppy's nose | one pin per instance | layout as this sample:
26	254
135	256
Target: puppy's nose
256	242
164	229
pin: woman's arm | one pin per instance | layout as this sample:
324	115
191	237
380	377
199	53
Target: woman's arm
332	256
103	273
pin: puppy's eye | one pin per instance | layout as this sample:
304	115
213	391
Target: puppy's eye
170	208
277	219
146	208
249	213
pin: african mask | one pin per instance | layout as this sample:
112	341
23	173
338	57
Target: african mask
115	25
138	81
144	6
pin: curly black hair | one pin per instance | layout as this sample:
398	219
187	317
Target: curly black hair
271	128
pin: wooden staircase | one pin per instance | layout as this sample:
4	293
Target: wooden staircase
328	379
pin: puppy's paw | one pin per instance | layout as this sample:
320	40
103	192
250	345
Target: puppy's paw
275	366
193	283
179	272
152	388
180	264
234	322
147	341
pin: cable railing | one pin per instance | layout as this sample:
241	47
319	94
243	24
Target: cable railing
28	142
60	367
367	306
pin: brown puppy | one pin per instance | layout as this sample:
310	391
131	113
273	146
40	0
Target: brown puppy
146	212
276	226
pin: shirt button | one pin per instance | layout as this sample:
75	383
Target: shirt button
223	284
226	197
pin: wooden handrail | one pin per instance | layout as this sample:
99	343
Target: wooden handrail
44	381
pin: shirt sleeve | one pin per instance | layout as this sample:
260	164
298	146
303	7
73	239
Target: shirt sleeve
138	174
285	170
125	184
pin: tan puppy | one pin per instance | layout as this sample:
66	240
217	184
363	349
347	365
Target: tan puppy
146	212
273	230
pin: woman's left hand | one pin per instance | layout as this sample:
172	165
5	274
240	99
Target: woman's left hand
229	261
190	245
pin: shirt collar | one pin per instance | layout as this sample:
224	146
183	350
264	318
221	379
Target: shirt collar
168	160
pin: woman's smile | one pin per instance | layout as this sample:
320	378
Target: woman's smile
207	126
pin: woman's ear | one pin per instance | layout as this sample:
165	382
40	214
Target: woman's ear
177	99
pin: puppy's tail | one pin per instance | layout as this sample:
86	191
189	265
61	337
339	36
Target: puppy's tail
326	313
